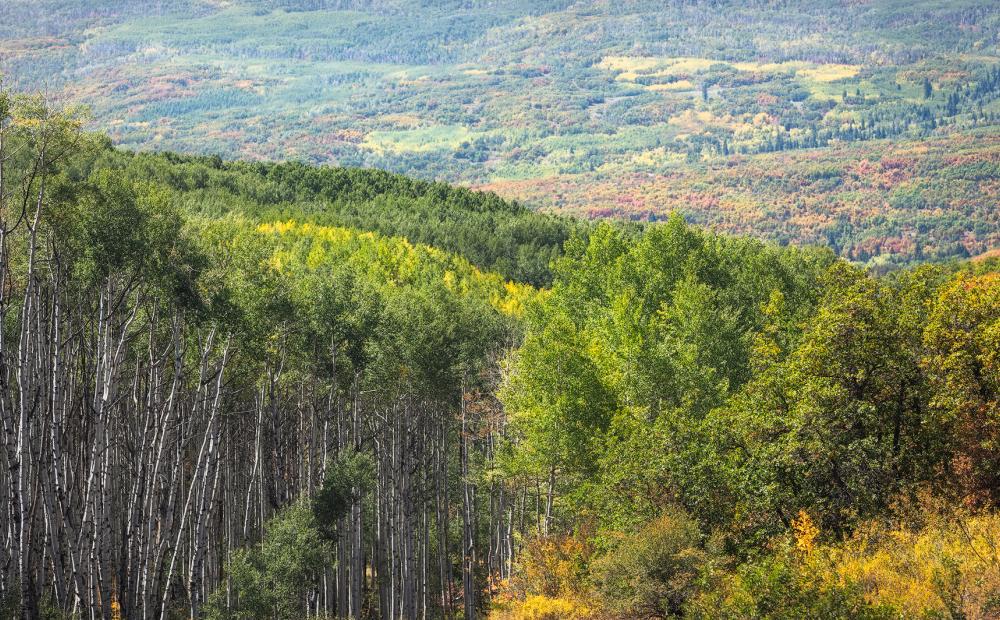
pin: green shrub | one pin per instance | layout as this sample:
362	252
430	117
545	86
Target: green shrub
270	581
653	572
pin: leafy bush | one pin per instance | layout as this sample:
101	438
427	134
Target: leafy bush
781	587
932	563
271	581
549	582
653	572
962	340
946	567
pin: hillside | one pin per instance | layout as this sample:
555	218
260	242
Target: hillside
795	121
235	390
494	234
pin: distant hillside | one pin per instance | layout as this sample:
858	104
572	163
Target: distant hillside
627	109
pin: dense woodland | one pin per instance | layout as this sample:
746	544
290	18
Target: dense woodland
240	390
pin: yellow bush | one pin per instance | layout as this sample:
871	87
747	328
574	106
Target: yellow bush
538	607
948	568
805	532
933	562
549	582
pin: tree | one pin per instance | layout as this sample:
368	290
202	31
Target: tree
963	340
836	428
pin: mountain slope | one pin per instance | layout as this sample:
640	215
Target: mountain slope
634	106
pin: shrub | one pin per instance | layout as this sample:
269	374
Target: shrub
653	572
938	565
271	580
549	582
780	586
948	567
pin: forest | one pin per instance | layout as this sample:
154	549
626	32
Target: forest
236	389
